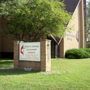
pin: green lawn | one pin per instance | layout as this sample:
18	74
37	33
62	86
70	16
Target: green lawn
6	64
65	75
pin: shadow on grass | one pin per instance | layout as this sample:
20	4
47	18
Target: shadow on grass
6	62
7	68
15	72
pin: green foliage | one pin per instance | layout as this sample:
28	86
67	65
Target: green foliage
88	17
34	18
87	50
88	9
77	53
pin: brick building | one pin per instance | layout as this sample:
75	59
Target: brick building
74	38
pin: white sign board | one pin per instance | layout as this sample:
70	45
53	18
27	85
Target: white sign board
29	51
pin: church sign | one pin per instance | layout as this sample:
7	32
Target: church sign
29	51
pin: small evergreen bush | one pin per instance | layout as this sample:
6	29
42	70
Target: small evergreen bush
78	53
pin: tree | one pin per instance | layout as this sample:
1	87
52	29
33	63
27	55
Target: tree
34	19
87	22
88	16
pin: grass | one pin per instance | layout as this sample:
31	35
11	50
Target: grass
65	75
6	64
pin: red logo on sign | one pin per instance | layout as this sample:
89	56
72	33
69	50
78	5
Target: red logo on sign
21	50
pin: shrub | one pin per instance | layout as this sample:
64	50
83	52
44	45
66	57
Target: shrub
87	50
77	53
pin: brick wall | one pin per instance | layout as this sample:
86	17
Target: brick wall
7	44
45	55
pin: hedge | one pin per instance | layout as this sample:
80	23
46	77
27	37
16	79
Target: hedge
78	53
